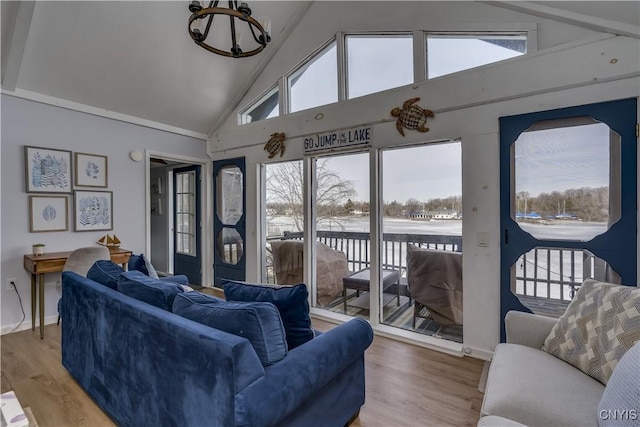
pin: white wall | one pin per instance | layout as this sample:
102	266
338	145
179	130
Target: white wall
34	124
573	66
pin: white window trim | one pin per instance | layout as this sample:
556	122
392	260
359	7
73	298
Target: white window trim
257	100
420	66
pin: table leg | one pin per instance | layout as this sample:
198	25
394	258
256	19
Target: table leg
41	303
34	296
344	299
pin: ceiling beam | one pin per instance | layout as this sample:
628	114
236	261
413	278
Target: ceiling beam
569	17
265	58
17	42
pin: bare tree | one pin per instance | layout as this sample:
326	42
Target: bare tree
285	187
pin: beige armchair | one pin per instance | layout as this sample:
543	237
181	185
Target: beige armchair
81	260
331	267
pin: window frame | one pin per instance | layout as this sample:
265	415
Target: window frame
305	63
257	101
420	58
470	34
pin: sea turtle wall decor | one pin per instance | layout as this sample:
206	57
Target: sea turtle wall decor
411	116
275	144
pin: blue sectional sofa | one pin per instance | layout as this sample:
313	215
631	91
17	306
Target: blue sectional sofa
145	366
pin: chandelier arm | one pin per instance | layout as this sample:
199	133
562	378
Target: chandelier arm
206	30
211	11
263	40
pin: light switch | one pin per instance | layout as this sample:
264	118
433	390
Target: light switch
482	239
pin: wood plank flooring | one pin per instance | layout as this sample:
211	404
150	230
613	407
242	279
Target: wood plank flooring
405	385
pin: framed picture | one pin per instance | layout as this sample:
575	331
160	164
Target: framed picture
47	170
48	213
91	170
93	210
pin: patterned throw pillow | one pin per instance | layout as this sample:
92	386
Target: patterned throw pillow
600	325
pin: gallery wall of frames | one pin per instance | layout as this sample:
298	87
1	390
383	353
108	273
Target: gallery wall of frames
52	175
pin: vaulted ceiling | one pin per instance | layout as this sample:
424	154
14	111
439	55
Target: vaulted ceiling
136	59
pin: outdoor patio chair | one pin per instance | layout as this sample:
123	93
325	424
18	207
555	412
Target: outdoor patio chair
434	279
331	267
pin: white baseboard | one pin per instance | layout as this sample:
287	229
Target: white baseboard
26	324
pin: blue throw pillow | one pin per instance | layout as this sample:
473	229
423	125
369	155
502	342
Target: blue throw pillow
152	291
291	302
258	322
105	272
136	262
142	264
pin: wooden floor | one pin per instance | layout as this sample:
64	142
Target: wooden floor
406	385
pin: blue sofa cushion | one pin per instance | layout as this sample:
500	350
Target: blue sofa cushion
105	272
152	291
291	302
180	279
258	322
142	264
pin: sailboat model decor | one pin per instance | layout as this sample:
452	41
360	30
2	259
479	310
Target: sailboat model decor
109	241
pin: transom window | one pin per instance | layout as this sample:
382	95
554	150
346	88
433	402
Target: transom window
374	62
449	53
315	83
265	107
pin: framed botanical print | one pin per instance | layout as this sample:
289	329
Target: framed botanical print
47	170
90	170
48	213
93	210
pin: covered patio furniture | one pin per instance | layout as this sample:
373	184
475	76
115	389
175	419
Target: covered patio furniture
331	267
434	279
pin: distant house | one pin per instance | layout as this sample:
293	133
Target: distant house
434	214
443	214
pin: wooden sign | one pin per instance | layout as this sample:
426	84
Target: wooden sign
338	140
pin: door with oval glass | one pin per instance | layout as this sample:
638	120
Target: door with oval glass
229	222
568	190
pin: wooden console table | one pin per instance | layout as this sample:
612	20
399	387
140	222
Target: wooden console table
39	265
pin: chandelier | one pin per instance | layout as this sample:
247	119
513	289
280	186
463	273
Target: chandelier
201	21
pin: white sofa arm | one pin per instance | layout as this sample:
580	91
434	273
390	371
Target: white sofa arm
528	329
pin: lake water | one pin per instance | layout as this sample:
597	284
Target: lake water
567	230
533	271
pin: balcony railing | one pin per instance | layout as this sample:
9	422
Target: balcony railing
547	274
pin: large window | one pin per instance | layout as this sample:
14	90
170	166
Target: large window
376	63
316	82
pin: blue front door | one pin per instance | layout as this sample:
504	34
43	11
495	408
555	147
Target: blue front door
568	189
187	223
